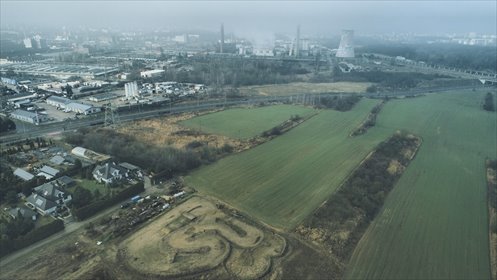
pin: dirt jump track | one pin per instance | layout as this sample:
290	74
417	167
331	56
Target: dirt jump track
195	237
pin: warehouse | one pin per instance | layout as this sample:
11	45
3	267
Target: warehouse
59	102
28	117
82	108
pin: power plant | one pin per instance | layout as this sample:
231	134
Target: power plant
221	44
346	48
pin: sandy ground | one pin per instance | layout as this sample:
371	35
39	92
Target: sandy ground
197	236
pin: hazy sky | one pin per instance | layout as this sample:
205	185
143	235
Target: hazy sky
245	17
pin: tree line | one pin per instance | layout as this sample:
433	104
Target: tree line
359	199
338	103
458	56
6	124
166	160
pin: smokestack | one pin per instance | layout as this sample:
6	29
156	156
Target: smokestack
297	42
221	45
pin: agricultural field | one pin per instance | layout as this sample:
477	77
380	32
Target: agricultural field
434	222
301	88
282	181
243	123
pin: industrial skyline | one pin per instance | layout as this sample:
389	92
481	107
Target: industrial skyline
248	17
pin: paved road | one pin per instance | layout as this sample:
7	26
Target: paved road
70	228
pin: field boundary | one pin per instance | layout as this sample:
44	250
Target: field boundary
491	176
340	223
370	120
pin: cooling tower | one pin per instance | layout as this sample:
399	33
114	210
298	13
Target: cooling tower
346	48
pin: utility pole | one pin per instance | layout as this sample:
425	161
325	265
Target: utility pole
111	115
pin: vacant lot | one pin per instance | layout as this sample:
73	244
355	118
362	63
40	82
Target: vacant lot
168	131
434	221
284	180
304	88
245	123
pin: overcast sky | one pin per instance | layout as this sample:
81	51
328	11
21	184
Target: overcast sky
245	17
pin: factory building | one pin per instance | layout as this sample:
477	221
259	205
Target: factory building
131	90
29	117
59	102
152	73
82	108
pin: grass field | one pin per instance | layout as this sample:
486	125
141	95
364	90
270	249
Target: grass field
304	88
245	123
284	180
434	222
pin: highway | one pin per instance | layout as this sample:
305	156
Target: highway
195	106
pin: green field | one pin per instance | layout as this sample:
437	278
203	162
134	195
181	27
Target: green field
93	185
434	222
245	123
285	179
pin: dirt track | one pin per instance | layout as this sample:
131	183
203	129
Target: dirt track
196	236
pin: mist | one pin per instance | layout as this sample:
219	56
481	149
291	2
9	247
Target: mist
257	17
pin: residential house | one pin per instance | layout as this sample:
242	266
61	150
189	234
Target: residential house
47	197
109	173
47	172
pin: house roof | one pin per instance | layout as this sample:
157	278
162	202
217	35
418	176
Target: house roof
129	166
49	170
107	170
65	180
40	202
26	176
22	211
57	160
49	190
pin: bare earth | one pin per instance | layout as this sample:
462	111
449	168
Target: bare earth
166	131
304	88
196	236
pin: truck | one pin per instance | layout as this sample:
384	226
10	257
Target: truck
135	198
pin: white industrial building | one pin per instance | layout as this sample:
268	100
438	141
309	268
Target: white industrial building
152	73
29	117
131	90
72	106
82	108
59	102
263	52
